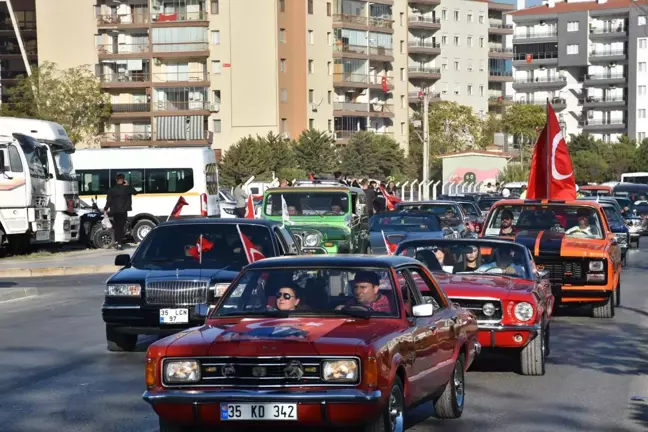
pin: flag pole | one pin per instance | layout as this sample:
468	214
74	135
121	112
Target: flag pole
547	153
200	249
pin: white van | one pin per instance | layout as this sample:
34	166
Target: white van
160	175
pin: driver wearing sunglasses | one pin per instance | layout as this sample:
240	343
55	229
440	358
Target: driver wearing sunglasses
287	298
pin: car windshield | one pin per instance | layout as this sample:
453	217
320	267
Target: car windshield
308	203
624	202
470	209
405	222
485	204
355	292
443	211
178	246
573	220
613	215
64	166
36	155
483	257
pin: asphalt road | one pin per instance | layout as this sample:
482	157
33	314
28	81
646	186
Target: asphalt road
55	374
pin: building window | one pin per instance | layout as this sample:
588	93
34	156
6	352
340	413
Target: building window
481	19
642	113
282	65
572	26
402	74
444	15
402	128
642	67
643	43
456	41
641	136
311	123
282	5
311	67
572	49
330	126
328	8
329	38
642	90
482	65
481	42
329	97
284	95
444	40
469	90
469	41
214	7
456	65
217	126
216	37
311	37
282	35
642	20
444	64
481	90
216	66
216	94
402	47
470	17
311	95
329	67
456	15
310	7
284	125
402	101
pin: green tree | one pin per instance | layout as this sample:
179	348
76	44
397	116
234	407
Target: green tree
71	97
585	142
453	128
620	157
524	122
415	158
589	166
247	157
492	124
315	152
371	155
390	158
514	172
291	174
280	152
641	160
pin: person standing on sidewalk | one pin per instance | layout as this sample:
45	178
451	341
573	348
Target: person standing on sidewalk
241	198
118	203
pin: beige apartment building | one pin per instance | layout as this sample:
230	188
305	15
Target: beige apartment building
198	72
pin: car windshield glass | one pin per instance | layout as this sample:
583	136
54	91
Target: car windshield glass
64	167
572	220
405	222
308	203
612	214
355	292
178	246
36	155
496	258
624	202
486	204
443	211
227	195
470	209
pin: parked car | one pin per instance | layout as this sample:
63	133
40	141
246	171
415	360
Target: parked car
319	341
387	230
179	270
486	202
450	213
572	240
499	282
637	227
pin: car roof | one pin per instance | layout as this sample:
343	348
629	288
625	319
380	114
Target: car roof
503	242
431	202
511	202
295	189
333	261
219	221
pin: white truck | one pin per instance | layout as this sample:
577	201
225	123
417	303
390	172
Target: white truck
63	188
24	193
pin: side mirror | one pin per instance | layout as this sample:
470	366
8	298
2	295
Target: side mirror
424	310
614	240
122	260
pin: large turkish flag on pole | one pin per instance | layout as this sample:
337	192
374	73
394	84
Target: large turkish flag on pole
552	173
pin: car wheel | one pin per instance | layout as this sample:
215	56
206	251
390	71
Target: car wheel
532	356
119	342
141	229
547	341
102	238
450	404
617	295
165	426
392	418
605	310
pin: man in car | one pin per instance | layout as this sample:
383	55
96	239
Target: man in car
505	261
366	286
506	227
583	229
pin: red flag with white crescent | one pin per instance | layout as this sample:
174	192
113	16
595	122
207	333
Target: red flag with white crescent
251	250
249	208
391	247
390	200
178	207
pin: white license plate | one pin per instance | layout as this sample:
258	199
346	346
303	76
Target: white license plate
42	235
174	316
260	411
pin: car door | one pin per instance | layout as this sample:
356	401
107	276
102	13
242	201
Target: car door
444	323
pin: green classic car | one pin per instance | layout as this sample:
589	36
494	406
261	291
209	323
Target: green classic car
329	217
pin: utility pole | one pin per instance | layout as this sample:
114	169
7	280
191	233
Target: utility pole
426	146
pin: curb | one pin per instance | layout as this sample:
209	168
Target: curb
56	271
16	293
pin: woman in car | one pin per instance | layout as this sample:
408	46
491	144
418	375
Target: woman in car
287	298
471	261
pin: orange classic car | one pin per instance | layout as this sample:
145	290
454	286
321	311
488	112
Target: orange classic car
572	241
323	341
498	281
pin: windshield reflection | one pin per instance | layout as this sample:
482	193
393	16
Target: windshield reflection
64	166
35	154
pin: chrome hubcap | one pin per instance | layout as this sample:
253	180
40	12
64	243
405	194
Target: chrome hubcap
143	232
396	410
459	385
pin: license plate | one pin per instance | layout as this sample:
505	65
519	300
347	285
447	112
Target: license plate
42	235
261	411
174	316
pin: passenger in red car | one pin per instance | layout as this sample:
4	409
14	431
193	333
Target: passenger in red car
287	298
366	287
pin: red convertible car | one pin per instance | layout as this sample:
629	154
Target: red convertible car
322	341
498	281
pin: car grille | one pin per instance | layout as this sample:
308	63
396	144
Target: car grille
568	271
177	292
260	372
476	306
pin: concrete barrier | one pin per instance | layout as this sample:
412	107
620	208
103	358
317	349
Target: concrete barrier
57	271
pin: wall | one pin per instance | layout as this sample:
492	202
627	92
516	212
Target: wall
400	92
321	52
458	166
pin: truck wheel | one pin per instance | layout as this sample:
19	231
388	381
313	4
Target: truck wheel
392	419
18	244
102	238
141	229
605	310
450	404
547	341
532	356
119	342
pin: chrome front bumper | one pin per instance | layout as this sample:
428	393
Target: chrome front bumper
501	327
200	396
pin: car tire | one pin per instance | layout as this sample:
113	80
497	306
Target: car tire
141	229
388	421
605	310
617	295
547	342
532	356
450	404
102	238
165	426
120	342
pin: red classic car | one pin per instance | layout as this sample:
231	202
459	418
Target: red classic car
320	340
497	280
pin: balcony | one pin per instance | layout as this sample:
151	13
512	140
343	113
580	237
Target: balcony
360	22
606	55
125	80
606	102
558	104
151	139
425	2
12	51
174	18
422	47
414	98
608	33
536	37
130	21
605	80
131	110
423	22
363	109
535	59
500	29
174	79
424	73
359	80
500	53
181	49
362	52
600	125
343	136
23	26
499	6
543	82
499	76
182	108
500	100
123	51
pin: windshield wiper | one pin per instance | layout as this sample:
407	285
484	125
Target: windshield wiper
350	313
313	210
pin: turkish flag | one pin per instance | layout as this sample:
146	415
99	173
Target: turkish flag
311	177
202	245
251	250
390	200
249	208
552	173
178	207
391	247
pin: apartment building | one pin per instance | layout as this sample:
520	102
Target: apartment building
461	51
590	58
198	72
18	49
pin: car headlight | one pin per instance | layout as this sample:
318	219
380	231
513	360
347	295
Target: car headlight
219	289
523	311
123	290
488	309
182	371
311	240
596	266
340	370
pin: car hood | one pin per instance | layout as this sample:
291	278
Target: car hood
300	336
329	232
482	285
132	274
545	243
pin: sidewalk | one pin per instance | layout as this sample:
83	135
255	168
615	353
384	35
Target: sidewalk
76	262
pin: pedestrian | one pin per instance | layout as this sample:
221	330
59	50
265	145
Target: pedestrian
338	178
370	194
240	197
119	202
284	183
